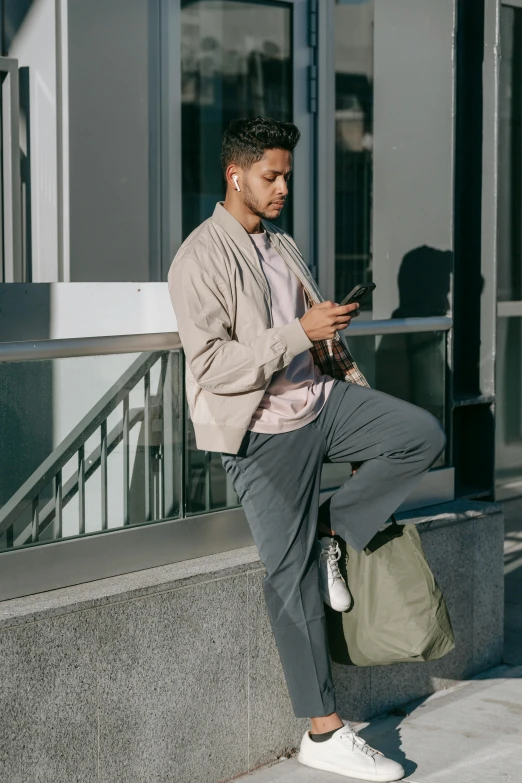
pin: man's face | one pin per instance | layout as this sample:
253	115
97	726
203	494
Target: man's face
265	184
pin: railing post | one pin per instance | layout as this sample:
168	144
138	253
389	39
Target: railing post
147	441
58	501
35	533
208	480
172	446
126	462
81	489
103	465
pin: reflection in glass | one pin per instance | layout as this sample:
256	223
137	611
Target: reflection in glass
208	486
353	145
236	61
96	444
411	367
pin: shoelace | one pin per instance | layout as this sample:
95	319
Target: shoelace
332	554
349	734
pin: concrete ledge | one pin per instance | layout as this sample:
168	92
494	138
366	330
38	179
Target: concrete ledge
126	587
111	680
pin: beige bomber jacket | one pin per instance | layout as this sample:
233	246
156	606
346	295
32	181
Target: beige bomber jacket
221	299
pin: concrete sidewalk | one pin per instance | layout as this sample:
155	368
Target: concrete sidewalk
471	733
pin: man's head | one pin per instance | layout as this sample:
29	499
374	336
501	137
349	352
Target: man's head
259	153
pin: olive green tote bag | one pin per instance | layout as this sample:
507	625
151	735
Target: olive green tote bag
398	612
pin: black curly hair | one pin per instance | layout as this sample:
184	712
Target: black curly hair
245	140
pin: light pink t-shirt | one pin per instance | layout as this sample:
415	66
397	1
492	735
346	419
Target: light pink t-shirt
297	393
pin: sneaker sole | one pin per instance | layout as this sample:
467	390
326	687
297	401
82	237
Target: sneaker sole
329	767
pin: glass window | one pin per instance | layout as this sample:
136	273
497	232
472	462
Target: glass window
113	132
353	144
108	431
236	61
207	486
410	366
114	125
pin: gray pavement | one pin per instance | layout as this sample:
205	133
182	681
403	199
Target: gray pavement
471	733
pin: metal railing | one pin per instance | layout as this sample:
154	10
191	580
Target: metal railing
76	347
437	323
182	490
38	350
162	498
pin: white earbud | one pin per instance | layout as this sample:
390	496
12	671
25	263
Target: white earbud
234	177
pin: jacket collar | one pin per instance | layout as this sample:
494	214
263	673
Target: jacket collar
239	234
233	227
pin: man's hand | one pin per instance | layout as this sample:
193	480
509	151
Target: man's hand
322	320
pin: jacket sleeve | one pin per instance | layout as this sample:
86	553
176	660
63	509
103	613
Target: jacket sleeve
219	363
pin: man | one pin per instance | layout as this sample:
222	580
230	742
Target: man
272	386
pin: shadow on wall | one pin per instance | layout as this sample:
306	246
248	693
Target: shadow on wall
14	13
424	283
412	366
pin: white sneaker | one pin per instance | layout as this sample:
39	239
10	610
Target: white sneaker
346	753
333	587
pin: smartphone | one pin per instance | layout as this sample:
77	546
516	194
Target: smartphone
358	293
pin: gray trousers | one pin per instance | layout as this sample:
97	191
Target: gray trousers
277	478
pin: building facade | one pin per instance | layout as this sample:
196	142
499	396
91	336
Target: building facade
408	174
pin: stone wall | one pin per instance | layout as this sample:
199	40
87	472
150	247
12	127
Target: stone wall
172	674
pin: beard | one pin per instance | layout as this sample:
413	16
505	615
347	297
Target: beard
252	202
